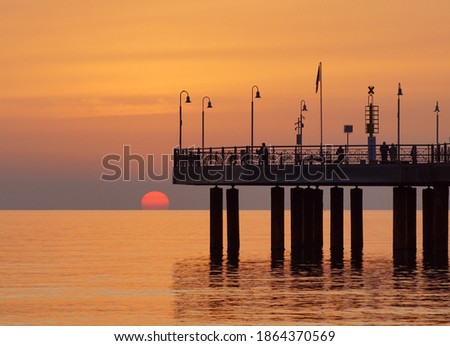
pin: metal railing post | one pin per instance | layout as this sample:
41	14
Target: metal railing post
445	152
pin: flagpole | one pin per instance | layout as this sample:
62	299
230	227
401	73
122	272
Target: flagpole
321	117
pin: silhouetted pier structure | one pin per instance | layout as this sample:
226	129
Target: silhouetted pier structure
306	169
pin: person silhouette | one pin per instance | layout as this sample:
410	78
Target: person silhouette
263	154
384	149
340	154
414	154
393	153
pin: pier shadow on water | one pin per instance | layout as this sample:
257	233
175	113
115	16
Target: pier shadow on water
284	289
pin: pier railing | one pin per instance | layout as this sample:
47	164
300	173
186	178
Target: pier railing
312	155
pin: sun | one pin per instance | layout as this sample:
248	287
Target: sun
155	200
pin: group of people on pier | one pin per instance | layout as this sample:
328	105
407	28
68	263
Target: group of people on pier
268	156
386	150
391	151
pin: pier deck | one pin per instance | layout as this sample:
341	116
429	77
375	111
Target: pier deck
311	166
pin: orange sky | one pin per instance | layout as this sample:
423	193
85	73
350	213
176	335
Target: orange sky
65	63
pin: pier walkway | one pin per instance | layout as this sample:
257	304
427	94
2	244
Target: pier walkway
312	165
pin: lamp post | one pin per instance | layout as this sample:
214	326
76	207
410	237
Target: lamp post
347	130
203	118
188	100
437	122
299	123
257	96
399	93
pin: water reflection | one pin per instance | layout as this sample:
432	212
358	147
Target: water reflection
279	291
405	278
277	259
216	275
233	260
216	257
307	257
405	258
431	278
435	259
337	258
357	260
338	280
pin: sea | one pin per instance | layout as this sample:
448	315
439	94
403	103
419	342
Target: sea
126	268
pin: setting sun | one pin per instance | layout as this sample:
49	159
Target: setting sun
155	200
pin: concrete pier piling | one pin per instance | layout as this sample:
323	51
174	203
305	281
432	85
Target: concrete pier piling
356	221
233	242
318	219
297	198
277	219
399	219
440	225
216	222
405	223
441	218
308	220
307	229
427	221
337	223
435	225
411	214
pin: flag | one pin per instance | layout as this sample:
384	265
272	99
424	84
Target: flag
319	77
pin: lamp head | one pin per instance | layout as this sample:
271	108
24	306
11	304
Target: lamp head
188	99
209	105
400	91
304	108
258	95
437	107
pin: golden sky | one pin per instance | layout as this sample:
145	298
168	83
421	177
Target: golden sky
86	62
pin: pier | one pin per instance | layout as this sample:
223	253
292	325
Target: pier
305	169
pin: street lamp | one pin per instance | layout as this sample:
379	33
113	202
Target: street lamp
437	122
188	100
299	123
399	93
347	130
203	118
257	96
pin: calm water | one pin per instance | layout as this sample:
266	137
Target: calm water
153	268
